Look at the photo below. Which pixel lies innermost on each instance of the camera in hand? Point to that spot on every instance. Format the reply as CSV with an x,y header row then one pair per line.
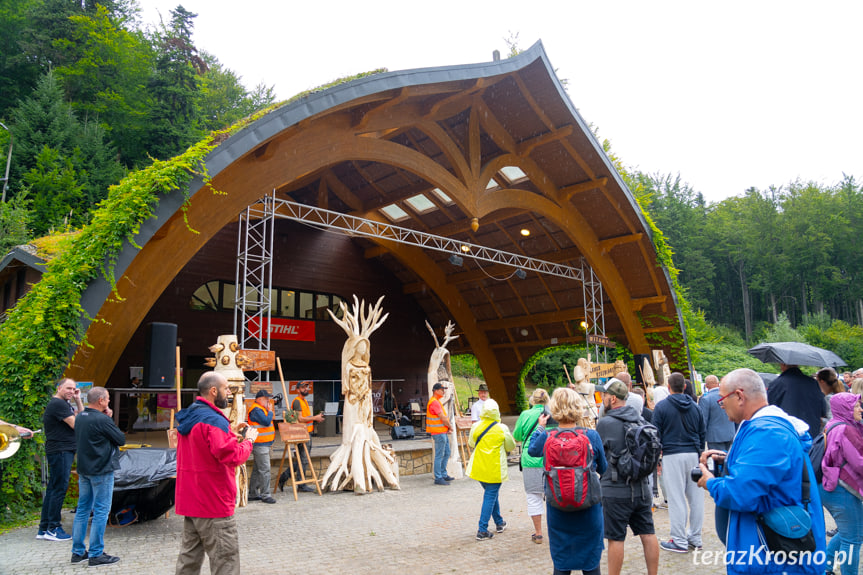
x,y
695,474
551,421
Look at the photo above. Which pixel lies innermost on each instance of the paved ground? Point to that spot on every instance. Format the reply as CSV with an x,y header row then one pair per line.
x,y
421,529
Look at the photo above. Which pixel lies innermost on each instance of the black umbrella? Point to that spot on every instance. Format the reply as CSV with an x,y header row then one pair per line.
x,y
795,353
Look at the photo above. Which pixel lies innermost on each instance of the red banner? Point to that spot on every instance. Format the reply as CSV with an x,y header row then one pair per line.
x,y
288,329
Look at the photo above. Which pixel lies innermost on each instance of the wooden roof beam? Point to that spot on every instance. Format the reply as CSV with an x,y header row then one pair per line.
x,y
525,147
639,303
568,191
539,342
532,320
608,244
659,329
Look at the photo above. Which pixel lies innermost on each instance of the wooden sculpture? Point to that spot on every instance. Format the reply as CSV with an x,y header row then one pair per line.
x,y
228,363
649,381
360,459
440,371
582,385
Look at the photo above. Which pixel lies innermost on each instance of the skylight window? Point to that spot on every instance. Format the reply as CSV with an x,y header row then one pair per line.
x,y
513,174
445,198
491,184
394,213
421,204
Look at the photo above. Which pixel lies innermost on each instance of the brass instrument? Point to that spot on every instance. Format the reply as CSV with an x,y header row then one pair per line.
x,y
10,440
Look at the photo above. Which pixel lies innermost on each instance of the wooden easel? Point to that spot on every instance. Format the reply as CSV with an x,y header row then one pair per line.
x,y
295,436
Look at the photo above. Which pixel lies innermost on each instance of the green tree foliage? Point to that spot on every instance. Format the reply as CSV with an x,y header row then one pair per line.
x,y
18,74
224,99
174,117
105,79
66,164
14,222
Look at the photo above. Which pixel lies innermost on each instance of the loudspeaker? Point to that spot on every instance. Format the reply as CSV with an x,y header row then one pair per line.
x,y
639,358
402,432
160,354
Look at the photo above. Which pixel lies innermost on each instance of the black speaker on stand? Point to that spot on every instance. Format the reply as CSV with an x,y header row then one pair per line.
x,y
160,355
638,359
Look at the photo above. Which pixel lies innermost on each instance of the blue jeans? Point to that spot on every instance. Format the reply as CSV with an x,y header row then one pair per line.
x,y
490,505
95,494
441,454
59,468
847,511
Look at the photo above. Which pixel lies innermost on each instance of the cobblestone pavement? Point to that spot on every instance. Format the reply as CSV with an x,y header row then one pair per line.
x,y
423,528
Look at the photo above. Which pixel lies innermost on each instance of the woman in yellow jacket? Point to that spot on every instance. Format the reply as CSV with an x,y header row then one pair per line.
x,y
491,441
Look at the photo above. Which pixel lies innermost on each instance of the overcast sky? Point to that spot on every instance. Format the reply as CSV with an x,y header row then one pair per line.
x,y
729,95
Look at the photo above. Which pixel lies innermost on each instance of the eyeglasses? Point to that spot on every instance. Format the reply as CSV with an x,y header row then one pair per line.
x,y
726,396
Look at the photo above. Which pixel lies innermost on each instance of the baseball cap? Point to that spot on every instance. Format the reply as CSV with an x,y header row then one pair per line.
x,y
615,387
438,386
262,393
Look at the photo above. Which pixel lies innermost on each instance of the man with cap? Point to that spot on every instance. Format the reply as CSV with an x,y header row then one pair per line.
x,y
476,408
438,426
260,417
624,503
302,413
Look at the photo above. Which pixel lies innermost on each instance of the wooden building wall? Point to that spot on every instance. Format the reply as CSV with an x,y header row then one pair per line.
x,y
305,258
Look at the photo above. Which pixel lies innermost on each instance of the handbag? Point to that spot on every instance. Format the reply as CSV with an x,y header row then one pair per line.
x,y
789,528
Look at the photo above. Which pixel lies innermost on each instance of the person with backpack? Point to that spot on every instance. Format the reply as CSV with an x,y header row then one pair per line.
x,y
531,467
841,487
626,495
572,458
682,433
490,441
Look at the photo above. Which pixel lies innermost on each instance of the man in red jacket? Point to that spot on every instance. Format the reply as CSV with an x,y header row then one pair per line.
x,y
207,455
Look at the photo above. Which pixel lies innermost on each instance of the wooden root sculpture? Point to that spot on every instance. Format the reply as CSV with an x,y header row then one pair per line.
x,y
228,362
360,459
582,385
440,371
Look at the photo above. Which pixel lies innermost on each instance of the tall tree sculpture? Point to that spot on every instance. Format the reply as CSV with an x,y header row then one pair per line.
x,y
440,371
360,458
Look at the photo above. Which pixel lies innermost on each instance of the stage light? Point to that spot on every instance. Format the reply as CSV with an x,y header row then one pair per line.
x,y
520,274
525,232
456,260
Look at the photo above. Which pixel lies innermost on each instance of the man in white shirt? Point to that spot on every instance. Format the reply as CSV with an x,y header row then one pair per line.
x,y
476,408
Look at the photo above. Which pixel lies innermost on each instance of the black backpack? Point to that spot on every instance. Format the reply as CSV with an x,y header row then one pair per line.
x,y
642,453
816,452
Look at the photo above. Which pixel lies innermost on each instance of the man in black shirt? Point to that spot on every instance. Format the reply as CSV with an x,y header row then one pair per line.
x,y
97,438
58,421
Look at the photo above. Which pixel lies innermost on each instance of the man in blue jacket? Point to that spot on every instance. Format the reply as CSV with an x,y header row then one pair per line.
x,y
720,429
681,430
763,471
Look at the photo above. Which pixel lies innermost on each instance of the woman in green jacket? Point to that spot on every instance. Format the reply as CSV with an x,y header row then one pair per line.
x,y
491,441
531,467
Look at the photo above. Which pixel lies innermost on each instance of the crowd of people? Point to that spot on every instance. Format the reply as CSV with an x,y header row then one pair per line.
x,y
747,445
750,446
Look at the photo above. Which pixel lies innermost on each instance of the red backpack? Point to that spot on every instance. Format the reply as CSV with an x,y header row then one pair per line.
x,y
569,480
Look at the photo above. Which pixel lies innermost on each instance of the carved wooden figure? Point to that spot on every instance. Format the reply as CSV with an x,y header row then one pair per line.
x,y
228,362
360,460
440,371
582,385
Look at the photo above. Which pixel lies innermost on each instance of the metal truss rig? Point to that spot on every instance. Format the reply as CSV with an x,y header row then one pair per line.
x,y
353,225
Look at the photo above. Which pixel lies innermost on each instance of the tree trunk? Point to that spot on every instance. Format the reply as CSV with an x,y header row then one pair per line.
x,y
773,307
747,312
803,299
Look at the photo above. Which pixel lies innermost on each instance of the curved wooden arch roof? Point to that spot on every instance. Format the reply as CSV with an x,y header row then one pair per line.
x,y
384,139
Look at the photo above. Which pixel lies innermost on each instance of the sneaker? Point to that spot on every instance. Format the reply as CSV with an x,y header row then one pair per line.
x,y
449,478
305,488
483,535
693,547
440,482
254,498
267,499
79,558
501,527
670,545
40,534
57,534
661,505
829,533
103,559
